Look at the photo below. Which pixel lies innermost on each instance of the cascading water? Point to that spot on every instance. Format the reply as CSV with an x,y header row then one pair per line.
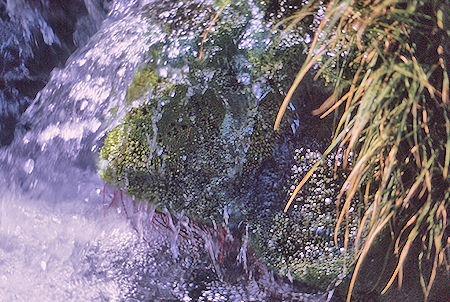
x,y
35,37
64,235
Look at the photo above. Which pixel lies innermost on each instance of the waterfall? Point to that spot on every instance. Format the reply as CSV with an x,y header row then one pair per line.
x,y
35,37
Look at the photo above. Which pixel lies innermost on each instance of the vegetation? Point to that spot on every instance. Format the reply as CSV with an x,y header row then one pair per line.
x,y
208,129
184,141
390,78
299,244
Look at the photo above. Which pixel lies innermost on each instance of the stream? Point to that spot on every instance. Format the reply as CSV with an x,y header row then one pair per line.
x,y
64,234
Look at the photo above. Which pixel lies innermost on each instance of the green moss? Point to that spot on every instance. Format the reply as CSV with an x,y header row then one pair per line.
x,y
143,80
186,126
110,153
210,113
278,63
176,135
263,139
179,156
126,148
148,157
300,243
111,144
302,247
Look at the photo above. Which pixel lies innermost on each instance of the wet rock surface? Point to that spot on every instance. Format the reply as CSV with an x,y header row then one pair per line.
x,y
199,139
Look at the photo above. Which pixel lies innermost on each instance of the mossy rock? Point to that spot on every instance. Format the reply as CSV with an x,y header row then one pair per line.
x,y
143,153
300,243
185,141
201,132
125,147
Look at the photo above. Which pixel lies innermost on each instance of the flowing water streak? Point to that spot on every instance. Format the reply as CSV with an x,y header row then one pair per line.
x,y
35,37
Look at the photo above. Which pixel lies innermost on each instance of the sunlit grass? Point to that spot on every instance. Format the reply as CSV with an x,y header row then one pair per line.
x,y
391,95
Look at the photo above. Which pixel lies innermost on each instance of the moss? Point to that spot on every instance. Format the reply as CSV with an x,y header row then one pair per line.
x,y
143,80
185,127
186,146
110,153
279,62
150,157
126,147
301,247
300,243
176,135
190,136
210,112
180,152
263,139
111,144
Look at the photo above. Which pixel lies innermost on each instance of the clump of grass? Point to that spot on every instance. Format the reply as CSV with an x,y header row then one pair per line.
x,y
391,96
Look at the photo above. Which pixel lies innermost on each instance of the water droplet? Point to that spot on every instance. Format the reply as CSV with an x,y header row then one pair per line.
x,y
83,105
163,72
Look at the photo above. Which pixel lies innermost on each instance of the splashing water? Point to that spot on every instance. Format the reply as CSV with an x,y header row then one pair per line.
x,y
65,236
35,37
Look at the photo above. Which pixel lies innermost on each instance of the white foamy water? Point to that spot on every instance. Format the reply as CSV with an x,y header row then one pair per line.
x,y
72,250
61,251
